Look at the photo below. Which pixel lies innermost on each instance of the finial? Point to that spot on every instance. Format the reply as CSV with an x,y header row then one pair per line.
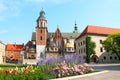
x,y
75,22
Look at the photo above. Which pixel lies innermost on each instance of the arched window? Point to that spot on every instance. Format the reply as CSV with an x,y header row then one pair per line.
x,y
41,24
41,55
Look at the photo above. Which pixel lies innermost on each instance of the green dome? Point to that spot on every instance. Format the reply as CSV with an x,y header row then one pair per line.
x,y
42,14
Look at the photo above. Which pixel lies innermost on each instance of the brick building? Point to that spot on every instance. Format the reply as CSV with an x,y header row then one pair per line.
x,y
13,52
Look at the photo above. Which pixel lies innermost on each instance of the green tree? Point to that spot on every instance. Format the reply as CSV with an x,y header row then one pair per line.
x,y
112,44
90,46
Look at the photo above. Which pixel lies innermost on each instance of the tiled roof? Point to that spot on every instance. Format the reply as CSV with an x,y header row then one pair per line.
x,y
14,47
64,35
99,30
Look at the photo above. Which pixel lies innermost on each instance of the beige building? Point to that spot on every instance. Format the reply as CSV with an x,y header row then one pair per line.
x,y
2,52
97,34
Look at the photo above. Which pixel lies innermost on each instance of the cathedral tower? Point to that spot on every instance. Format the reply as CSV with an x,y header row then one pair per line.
x,y
41,35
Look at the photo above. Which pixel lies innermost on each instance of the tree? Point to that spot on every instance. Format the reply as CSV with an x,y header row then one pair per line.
x,y
112,44
90,46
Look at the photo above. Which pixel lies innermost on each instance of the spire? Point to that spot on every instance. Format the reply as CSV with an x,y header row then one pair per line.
x,y
75,28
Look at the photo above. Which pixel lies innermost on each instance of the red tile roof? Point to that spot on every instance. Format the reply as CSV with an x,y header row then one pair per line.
x,y
14,47
98,30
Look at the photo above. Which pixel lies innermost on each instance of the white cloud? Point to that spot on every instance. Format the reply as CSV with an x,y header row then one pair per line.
x,y
9,8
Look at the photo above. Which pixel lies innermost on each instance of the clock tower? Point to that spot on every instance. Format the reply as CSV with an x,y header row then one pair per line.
x,y
41,35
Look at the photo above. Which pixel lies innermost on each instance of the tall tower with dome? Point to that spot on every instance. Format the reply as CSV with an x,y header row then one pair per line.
x,y
41,35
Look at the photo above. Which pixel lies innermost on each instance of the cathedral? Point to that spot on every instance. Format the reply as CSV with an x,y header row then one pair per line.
x,y
45,44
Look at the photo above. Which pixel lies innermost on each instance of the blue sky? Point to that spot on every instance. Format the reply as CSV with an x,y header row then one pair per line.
x,y
18,17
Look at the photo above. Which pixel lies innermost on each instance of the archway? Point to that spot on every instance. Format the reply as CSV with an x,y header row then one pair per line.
x,y
94,58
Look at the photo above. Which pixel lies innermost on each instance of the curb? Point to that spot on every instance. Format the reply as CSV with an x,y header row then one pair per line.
x,y
79,76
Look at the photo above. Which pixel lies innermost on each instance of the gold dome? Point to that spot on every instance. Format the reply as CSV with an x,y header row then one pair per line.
x,y
68,45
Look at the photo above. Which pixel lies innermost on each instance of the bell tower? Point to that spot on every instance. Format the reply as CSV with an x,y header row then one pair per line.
x,y
41,35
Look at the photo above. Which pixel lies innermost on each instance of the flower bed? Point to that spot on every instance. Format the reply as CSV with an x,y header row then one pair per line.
x,y
44,72
48,69
63,69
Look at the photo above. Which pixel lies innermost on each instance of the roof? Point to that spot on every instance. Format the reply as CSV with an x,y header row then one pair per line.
x,y
99,30
2,42
14,47
64,35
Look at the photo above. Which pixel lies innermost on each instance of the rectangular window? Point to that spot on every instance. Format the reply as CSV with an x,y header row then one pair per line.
x,y
79,51
101,49
83,42
84,50
41,38
41,30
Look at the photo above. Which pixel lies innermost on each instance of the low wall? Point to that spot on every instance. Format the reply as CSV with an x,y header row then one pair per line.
x,y
30,61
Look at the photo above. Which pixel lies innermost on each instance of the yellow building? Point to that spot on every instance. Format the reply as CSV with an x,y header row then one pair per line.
x,y
97,34
2,52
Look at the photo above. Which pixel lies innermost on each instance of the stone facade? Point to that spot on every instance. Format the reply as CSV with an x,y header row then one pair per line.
x,y
2,52
97,35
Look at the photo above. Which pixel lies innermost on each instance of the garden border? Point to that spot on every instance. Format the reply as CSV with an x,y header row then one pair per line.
x,y
79,76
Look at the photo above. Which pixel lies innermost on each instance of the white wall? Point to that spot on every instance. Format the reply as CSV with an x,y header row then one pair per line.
x,y
40,49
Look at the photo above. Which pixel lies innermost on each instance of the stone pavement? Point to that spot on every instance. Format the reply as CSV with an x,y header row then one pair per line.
x,y
110,75
107,72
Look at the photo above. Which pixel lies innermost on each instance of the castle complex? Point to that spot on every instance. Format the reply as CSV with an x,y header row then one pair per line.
x,y
45,44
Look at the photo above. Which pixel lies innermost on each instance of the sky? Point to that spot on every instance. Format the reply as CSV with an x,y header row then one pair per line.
x,y
18,17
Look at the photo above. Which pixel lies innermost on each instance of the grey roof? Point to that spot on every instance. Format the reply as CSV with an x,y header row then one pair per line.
x,y
64,35
33,36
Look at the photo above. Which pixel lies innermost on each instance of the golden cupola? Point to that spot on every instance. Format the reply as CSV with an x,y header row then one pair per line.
x,y
68,44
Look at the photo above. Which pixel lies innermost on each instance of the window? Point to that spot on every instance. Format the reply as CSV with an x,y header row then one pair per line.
x,y
41,55
52,48
47,49
41,24
41,30
69,49
41,38
44,25
100,41
83,42
110,57
84,50
115,58
56,49
79,51
104,58
101,49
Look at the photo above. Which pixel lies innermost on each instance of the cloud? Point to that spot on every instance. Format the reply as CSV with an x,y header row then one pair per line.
x,y
9,8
